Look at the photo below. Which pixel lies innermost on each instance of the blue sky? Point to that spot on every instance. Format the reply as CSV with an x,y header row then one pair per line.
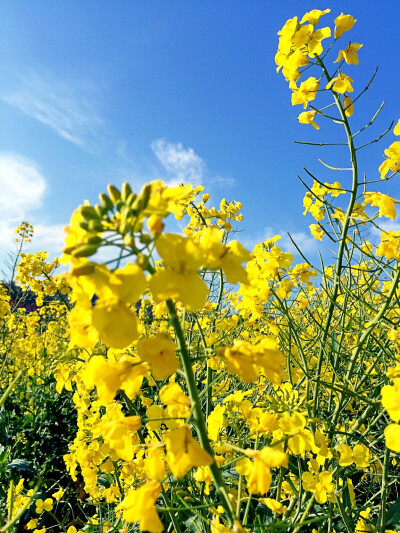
x,y
97,92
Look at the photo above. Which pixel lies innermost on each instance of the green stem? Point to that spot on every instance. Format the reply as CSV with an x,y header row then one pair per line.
x,y
384,490
171,511
345,229
198,414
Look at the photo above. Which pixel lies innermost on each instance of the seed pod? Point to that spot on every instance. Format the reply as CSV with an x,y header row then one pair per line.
x,y
126,191
85,250
114,193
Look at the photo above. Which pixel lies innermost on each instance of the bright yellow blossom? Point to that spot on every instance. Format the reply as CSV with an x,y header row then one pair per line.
x,y
341,84
385,203
139,506
307,117
313,16
184,452
43,505
392,437
343,23
306,92
159,352
349,54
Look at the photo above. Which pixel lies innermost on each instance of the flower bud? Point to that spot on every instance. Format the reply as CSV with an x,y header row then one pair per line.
x,y
85,250
88,212
126,191
114,193
106,201
155,224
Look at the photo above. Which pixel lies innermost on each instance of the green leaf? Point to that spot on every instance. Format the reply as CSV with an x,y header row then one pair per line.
x,y
393,514
21,464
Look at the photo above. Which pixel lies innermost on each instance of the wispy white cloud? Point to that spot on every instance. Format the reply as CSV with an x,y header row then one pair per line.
x,y
183,164
386,225
23,188
61,106
223,182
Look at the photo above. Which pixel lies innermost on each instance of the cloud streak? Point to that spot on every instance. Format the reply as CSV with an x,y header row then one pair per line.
x,y
58,105
23,188
183,165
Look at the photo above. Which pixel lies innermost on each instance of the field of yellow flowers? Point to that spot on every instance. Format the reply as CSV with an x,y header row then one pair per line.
x,y
190,385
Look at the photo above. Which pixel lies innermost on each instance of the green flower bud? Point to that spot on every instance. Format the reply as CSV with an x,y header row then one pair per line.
x,y
85,250
88,212
114,193
126,191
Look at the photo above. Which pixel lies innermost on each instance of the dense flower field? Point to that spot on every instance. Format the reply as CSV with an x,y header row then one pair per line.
x,y
188,384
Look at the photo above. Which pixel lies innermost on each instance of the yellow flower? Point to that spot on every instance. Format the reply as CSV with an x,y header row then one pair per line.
x,y
313,16
118,435
178,404
139,506
348,105
159,352
217,527
46,505
58,495
306,92
259,478
155,411
314,44
183,452
343,23
155,463
272,504
228,257
389,246
307,117
316,231
391,399
320,484
341,84
215,421
117,325
243,466
155,224
248,361
392,437
396,129
109,377
179,280
385,203
358,455
111,316
392,162
349,54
